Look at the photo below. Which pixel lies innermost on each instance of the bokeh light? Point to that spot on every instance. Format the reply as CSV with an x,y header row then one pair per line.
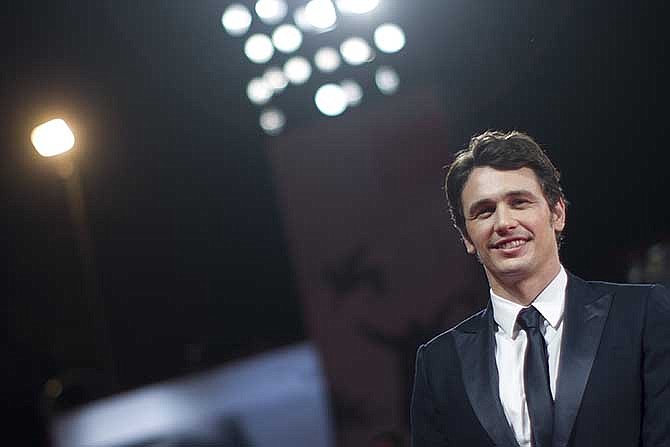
x,y
389,38
258,48
287,38
327,59
236,19
272,121
53,388
321,14
356,6
297,70
259,91
300,19
353,92
330,99
271,12
275,78
356,51
387,80
310,17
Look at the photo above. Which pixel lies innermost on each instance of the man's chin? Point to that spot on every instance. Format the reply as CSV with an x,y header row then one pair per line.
x,y
511,269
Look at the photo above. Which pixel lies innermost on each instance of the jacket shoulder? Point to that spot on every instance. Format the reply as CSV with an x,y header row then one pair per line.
x,y
632,296
627,289
613,287
470,324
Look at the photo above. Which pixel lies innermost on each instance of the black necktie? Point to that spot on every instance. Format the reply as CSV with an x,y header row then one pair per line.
x,y
536,379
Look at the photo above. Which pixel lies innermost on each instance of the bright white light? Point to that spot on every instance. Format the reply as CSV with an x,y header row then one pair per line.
x,y
330,99
297,70
356,51
271,12
52,138
327,59
259,91
259,49
275,78
300,19
236,19
272,121
353,92
387,80
356,6
321,14
389,38
287,38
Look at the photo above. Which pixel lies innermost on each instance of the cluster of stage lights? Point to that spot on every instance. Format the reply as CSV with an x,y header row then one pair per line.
x,y
313,17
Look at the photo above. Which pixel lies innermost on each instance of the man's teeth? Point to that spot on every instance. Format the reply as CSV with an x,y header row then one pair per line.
x,y
512,244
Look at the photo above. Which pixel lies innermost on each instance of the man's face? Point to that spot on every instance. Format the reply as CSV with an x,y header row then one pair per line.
x,y
509,224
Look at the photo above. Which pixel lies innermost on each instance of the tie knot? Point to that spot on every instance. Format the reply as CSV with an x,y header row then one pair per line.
x,y
530,317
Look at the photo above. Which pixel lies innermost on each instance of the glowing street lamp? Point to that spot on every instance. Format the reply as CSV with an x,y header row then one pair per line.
x,y
52,138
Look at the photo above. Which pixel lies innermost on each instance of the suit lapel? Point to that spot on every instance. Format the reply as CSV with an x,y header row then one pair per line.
x,y
585,315
475,344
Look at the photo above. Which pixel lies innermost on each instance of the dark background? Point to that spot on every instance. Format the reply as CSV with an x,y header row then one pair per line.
x,y
191,264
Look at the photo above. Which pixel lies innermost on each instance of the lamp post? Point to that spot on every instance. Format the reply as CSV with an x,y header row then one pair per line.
x,y
54,139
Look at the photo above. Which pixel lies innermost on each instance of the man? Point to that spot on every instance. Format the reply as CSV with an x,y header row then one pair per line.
x,y
553,360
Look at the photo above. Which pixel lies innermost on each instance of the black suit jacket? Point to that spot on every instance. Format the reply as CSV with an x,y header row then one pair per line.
x,y
613,385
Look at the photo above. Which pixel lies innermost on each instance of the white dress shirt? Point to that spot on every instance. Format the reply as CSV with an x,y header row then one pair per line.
x,y
511,348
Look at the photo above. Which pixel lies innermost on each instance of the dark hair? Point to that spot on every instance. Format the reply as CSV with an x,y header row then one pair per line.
x,y
504,151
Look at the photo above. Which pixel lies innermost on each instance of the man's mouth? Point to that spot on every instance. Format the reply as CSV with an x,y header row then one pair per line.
x,y
513,243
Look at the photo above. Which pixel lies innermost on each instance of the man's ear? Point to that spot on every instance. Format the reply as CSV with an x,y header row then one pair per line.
x,y
469,246
558,215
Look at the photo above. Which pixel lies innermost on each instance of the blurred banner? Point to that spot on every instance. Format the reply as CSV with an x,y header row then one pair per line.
x,y
378,265
274,399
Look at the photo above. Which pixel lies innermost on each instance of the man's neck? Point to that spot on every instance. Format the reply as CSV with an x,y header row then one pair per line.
x,y
523,291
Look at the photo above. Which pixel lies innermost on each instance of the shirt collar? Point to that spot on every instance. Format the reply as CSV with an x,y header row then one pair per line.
x,y
550,303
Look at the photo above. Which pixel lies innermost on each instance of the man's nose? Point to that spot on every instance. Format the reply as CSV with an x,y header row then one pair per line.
x,y
504,220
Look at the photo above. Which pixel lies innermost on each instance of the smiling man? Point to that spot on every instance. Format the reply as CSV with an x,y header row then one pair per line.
x,y
553,360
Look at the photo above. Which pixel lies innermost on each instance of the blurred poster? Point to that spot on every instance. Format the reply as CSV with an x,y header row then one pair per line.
x,y
274,399
378,266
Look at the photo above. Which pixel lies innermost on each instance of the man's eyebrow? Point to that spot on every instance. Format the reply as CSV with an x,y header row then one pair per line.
x,y
519,192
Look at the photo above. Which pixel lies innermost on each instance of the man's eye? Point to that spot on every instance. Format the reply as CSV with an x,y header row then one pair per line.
x,y
484,213
520,202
